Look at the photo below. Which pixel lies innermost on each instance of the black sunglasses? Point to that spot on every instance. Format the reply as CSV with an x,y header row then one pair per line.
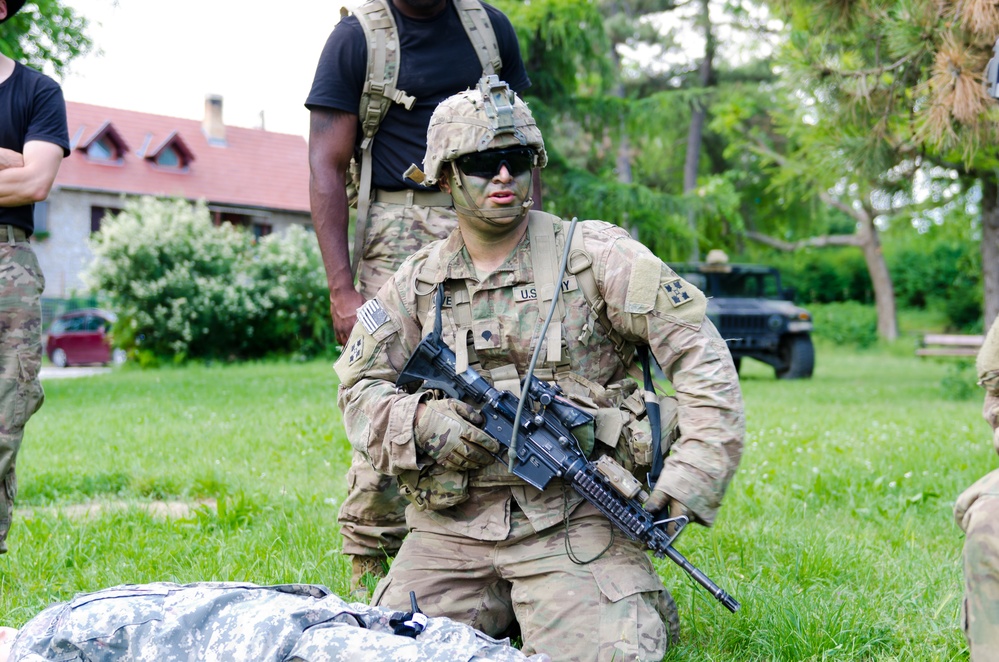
x,y
517,160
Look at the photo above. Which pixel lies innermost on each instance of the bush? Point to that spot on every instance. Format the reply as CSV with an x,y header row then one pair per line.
x,y
824,276
846,322
944,276
184,288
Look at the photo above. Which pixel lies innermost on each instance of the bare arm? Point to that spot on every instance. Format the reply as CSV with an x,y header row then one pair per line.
x,y
32,181
331,144
10,159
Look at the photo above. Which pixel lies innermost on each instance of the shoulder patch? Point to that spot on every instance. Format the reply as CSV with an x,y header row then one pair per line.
x,y
677,292
372,316
355,350
680,299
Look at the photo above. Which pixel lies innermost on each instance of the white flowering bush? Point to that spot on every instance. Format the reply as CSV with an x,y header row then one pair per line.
x,y
185,288
290,285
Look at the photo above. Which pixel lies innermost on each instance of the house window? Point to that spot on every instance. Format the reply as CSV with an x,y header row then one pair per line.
x,y
97,215
168,158
238,220
262,230
41,217
102,149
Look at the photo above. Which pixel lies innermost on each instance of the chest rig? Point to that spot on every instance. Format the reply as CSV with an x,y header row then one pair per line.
x,y
546,248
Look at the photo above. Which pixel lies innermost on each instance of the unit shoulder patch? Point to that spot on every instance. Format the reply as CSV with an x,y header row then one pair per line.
x,y
678,292
681,300
355,350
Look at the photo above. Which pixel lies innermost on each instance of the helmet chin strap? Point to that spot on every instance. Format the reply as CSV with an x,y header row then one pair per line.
x,y
467,206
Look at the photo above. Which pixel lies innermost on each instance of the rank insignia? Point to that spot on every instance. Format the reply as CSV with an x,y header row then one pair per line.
x,y
356,350
676,292
372,315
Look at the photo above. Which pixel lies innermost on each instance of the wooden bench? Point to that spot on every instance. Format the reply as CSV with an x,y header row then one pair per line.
x,y
942,344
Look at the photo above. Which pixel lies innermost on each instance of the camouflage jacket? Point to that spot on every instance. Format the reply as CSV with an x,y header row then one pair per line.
x,y
162,622
646,302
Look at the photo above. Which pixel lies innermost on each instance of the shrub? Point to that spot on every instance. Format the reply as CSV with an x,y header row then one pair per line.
x,y
824,276
287,271
941,275
846,322
183,287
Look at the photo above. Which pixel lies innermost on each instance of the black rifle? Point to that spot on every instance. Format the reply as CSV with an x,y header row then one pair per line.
x,y
546,449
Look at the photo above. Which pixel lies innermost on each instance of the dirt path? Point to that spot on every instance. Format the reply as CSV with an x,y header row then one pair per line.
x,y
168,509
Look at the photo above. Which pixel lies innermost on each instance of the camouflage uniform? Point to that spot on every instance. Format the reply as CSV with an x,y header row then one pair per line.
x,y
228,621
502,550
21,286
977,513
372,515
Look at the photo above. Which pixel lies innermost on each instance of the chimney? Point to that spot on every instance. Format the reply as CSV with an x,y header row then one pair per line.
x,y
212,125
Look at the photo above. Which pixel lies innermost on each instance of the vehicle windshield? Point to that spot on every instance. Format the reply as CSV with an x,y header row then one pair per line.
x,y
746,285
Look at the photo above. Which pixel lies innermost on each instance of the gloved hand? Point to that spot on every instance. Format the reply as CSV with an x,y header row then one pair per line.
x,y
447,432
659,502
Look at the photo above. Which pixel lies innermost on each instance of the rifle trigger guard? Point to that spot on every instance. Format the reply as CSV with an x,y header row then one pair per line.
x,y
679,522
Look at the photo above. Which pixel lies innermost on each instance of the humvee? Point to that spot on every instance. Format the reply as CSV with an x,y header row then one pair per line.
x,y
754,314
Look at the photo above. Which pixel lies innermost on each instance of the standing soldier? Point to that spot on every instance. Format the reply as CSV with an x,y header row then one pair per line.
x,y
977,513
384,69
34,139
485,547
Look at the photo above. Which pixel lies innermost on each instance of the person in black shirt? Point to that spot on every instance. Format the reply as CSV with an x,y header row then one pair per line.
x,y
436,60
34,139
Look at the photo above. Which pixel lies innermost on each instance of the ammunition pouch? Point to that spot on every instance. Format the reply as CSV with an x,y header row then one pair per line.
x,y
434,487
625,434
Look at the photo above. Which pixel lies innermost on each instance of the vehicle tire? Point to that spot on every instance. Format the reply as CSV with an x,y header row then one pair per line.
x,y
118,356
59,358
798,356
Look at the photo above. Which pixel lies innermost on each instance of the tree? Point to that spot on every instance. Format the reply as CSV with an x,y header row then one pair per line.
x,y
45,32
615,92
902,80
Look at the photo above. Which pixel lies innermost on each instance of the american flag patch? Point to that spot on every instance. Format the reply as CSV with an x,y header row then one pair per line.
x,y
372,315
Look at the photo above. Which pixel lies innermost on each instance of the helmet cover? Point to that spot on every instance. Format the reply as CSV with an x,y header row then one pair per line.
x,y
489,117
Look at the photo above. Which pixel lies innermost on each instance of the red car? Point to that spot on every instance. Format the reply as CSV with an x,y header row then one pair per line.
x,y
82,336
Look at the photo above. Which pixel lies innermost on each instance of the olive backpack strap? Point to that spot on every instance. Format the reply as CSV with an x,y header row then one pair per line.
x,y
382,36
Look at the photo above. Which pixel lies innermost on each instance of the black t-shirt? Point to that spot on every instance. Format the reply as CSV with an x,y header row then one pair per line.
x,y
31,108
436,61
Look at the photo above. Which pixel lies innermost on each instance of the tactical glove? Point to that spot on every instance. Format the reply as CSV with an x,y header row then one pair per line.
x,y
447,432
661,503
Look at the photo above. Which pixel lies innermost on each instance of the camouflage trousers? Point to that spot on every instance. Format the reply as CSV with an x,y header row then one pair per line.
x,y
977,510
217,622
372,518
613,608
21,285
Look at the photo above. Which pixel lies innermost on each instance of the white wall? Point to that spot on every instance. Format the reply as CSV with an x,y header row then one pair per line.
x,y
64,254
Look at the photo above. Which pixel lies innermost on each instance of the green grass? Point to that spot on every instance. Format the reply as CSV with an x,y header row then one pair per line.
x,y
836,535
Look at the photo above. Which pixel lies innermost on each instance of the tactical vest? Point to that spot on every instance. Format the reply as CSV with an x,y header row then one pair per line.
x,y
380,91
616,409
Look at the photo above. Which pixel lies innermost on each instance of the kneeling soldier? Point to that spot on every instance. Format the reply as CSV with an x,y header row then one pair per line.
x,y
485,547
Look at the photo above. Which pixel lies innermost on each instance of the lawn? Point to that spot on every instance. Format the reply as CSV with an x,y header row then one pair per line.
x,y
836,536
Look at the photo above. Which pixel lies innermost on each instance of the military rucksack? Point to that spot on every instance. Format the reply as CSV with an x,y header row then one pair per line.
x,y
380,91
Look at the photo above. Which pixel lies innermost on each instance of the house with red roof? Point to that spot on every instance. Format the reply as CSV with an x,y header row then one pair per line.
x,y
249,177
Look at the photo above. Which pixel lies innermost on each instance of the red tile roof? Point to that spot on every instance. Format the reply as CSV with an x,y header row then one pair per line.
x,y
256,168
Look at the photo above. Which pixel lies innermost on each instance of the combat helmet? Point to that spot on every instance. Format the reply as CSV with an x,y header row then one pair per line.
x,y
489,117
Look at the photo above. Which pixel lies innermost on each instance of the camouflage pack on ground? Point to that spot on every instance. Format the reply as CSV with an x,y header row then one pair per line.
x,y
162,622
